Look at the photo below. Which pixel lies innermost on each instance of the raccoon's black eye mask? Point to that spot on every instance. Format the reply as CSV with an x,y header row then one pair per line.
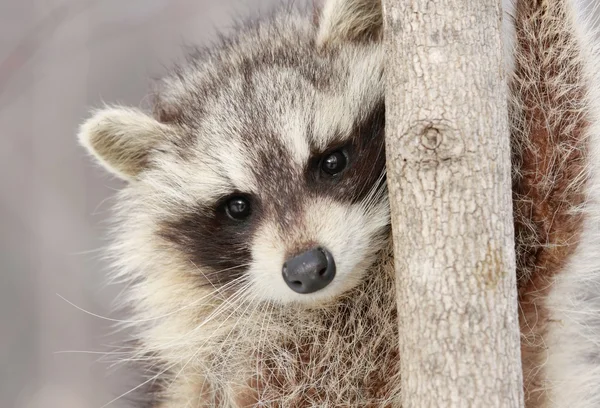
x,y
238,207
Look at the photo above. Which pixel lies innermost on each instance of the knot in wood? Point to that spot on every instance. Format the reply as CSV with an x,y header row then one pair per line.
x,y
430,142
431,138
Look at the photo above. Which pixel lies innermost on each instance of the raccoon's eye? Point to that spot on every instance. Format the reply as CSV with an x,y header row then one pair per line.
x,y
334,163
238,208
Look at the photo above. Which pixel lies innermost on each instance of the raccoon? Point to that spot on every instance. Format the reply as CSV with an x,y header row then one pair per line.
x,y
254,230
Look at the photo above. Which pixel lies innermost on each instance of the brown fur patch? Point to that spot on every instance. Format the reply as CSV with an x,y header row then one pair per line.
x,y
549,153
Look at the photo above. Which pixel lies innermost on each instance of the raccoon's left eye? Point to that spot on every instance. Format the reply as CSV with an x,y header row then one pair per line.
x,y
334,163
238,208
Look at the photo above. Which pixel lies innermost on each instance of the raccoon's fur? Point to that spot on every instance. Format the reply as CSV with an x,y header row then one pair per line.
x,y
226,184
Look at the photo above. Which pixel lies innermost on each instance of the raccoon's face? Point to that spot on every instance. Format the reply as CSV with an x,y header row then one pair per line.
x,y
264,163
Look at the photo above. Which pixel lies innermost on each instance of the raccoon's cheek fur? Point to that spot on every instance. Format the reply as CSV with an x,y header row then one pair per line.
x,y
325,254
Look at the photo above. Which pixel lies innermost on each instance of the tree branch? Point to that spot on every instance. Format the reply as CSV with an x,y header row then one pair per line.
x,y
448,159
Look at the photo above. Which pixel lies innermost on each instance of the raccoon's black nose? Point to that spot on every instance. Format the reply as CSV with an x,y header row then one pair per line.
x,y
310,271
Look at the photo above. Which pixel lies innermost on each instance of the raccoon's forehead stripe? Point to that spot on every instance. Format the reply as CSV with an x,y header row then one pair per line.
x,y
359,94
280,102
294,130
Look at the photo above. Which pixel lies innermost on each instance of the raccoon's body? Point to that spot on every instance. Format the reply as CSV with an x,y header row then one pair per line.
x,y
254,233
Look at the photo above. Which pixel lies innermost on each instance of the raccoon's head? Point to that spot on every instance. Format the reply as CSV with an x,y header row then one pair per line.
x,y
263,161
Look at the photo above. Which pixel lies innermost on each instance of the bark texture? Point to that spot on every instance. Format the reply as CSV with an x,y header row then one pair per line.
x,y
449,178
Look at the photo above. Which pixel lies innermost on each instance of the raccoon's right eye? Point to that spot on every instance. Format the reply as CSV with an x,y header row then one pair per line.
x,y
238,208
334,163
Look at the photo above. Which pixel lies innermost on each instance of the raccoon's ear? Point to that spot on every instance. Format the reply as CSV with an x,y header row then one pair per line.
x,y
121,139
350,20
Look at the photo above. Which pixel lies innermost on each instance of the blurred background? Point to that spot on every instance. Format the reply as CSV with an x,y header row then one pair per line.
x,y
58,59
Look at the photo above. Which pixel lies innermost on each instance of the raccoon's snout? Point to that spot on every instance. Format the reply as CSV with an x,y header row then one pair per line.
x,y
310,271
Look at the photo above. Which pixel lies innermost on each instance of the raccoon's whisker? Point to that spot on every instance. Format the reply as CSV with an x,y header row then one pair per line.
x,y
375,192
209,338
149,363
237,301
251,316
90,352
175,342
215,313
249,331
143,320
217,290
232,268
103,355
376,186
94,314
220,290
145,359
379,151
138,386
250,302
88,252
374,199
262,339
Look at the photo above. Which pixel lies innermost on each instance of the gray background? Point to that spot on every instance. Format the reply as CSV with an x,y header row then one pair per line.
x,y
59,58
